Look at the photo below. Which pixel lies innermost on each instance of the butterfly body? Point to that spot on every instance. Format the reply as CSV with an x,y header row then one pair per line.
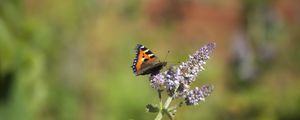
x,y
145,62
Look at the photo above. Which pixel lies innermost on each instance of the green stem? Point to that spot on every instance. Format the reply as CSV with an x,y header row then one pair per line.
x,y
159,115
168,102
165,106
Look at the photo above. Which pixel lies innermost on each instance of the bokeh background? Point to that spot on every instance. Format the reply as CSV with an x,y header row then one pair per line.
x,y
70,59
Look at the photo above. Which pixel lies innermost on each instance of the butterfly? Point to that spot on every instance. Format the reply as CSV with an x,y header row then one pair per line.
x,y
145,62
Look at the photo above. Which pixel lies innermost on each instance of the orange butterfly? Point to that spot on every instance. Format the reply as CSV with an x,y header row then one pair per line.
x,y
145,62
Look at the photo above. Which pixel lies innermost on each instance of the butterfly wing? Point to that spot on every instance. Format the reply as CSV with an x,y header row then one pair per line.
x,y
145,62
152,68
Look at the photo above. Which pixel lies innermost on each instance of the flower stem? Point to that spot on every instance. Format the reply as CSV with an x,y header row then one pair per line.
x,y
159,115
167,103
163,108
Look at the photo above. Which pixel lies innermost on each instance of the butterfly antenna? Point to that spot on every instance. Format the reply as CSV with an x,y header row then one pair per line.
x,y
166,55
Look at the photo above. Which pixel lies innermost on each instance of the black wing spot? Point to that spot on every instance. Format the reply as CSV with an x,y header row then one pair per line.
x,y
146,59
153,56
143,49
149,52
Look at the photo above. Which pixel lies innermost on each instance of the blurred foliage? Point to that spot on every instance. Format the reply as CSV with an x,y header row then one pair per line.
x,y
69,60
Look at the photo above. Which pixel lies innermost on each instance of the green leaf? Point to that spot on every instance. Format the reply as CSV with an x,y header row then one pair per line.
x,y
152,108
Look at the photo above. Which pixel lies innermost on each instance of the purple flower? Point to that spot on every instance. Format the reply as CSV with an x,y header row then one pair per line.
x,y
197,95
177,80
173,78
157,81
194,65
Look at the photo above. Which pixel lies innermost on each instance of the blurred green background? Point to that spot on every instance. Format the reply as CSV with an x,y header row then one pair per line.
x,y
70,59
